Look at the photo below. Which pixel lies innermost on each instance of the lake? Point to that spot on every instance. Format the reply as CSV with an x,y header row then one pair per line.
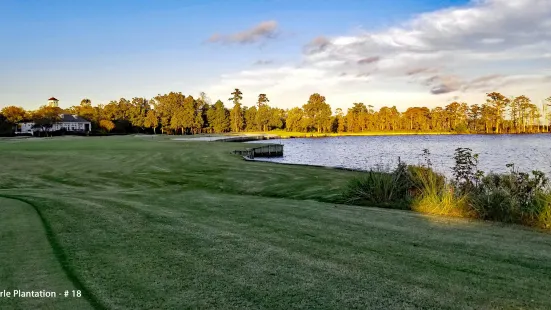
x,y
527,152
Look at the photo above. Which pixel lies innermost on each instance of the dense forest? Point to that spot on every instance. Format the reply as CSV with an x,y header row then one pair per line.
x,y
176,113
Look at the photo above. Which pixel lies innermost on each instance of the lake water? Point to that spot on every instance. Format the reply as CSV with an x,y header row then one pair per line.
x,y
527,152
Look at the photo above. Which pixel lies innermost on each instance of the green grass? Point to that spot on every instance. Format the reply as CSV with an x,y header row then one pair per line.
x,y
29,263
142,223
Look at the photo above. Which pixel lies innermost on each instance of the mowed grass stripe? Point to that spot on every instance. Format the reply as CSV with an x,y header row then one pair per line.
x,y
29,263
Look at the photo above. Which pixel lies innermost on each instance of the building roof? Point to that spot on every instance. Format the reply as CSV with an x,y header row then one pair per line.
x,y
53,98
70,118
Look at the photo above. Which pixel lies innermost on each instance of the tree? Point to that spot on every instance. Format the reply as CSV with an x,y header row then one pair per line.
x,y
262,100
137,112
250,119
13,114
202,105
547,104
277,118
521,106
474,117
487,115
356,117
263,117
151,120
340,120
498,102
178,119
219,117
190,113
166,106
317,113
534,115
294,120
417,118
45,117
106,124
236,114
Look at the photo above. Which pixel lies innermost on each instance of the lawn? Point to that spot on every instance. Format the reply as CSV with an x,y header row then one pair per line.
x,y
150,223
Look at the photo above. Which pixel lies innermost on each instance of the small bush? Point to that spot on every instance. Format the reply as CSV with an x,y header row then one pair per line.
x,y
376,187
443,202
543,206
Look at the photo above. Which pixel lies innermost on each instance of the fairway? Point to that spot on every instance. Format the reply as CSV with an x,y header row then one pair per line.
x,y
151,223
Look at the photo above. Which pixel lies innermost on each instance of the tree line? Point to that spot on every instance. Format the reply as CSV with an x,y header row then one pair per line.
x,y
176,113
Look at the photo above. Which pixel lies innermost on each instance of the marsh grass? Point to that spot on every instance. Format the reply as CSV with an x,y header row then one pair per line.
x,y
381,187
513,197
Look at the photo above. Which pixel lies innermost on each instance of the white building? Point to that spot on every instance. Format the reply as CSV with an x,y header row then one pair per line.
x,y
69,122
53,102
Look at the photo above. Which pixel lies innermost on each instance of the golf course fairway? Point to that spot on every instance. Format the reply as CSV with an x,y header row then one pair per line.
x,y
149,223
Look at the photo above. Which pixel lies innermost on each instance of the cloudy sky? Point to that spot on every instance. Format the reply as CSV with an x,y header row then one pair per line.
x,y
403,52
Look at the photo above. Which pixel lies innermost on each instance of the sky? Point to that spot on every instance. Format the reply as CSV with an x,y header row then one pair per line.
x,y
383,53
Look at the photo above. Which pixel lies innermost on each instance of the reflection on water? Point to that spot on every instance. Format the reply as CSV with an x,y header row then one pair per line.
x,y
527,152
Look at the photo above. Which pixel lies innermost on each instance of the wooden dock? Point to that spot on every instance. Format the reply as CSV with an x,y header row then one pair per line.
x,y
270,150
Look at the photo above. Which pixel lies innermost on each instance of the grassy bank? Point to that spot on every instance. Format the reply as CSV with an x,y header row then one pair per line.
x,y
143,223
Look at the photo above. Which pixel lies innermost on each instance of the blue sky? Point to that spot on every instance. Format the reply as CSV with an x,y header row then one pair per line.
x,y
105,50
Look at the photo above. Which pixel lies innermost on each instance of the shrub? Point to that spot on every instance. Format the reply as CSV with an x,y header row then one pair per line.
x,y
376,187
513,197
443,202
465,171
434,196
543,206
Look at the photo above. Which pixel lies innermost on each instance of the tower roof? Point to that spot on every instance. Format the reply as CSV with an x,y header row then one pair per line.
x,y
53,98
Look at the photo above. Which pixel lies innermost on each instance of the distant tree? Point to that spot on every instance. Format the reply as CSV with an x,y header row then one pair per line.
x,y
277,119
294,119
263,117
202,105
220,117
178,120
340,121
474,117
262,100
250,119
45,117
547,113
498,102
151,120
236,114
487,115
137,112
13,114
521,106
356,117
317,113
166,106
189,114
106,124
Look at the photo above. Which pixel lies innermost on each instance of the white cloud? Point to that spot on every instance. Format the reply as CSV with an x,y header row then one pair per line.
x,y
262,31
484,46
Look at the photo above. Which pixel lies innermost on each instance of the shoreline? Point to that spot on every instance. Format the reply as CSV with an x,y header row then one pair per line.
x,y
294,135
